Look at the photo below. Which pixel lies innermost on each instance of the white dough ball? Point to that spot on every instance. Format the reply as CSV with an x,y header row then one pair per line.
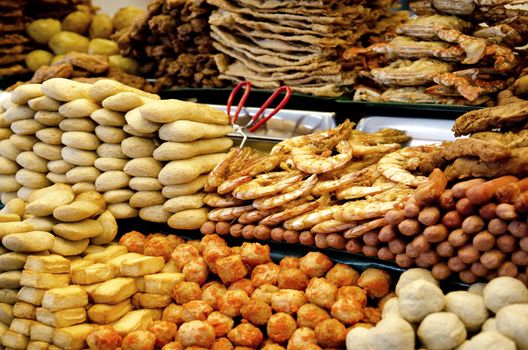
x,y
469,307
391,333
442,331
413,275
356,338
391,308
512,321
419,299
477,288
490,341
490,325
503,291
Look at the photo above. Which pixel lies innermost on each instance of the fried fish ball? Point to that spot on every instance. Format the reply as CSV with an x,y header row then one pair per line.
x,y
289,262
173,313
342,275
309,315
196,271
372,315
184,254
211,292
354,293
175,345
331,333
255,254
302,338
175,240
256,312
265,274
196,310
281,327
293,278
158,246
164,331
104,338
376,282
221,323
348,311
134,241
222,344
196,333
183,292
243,284
213,239
139,340
288,300
232,301
213,252
230,269
315,264
245,334
273,346
321,293
264,293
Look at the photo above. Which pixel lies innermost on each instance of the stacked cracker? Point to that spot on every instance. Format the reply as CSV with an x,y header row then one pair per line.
x,y
194,145
120,104
13,41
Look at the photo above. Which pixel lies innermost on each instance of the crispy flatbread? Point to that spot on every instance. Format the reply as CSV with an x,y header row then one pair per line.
x,y
13,39
8,59
13,70
15,49
329,90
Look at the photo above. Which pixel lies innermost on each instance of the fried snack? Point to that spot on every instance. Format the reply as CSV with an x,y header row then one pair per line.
x,y
44,280
73,337
136,320
48,263
114,291
106,314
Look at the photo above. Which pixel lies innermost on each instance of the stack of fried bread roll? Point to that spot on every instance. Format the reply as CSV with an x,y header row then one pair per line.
x,y
8,165
193,143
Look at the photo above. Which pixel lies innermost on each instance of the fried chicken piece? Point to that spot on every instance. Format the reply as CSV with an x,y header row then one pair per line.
x,y
506,97
490,118
92,63
469,167
509,139
63,70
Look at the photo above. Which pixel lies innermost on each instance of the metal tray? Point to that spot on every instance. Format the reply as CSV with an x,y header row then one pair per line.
x,y
280,250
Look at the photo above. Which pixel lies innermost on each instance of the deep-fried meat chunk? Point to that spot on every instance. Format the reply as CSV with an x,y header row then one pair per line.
x,y
63,70
92,63
486,150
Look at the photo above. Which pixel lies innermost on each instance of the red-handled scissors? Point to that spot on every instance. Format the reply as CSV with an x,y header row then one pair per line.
x,y
255,123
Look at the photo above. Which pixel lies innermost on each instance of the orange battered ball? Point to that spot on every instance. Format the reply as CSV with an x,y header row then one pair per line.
x,y
139,340
230,269
342,275
265,274
256,312
292,278
315,264
281,327
134,241
164,331
183,292
159,246
245,334
104,338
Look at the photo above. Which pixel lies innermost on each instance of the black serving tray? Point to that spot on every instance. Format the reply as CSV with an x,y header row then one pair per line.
x,y
280,250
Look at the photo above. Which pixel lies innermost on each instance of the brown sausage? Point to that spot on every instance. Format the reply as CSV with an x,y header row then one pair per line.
x,y
427,259
523,277
457,238
236,230
447,201
404,261
497,226
411,251
506,211
429,216
353,246
432,189
472,224
436,233
455,264
468,254
523,244
465,207
518,228
483,193
506,243
387,233
320,241
467,276
369,251
492,259
306,238
441,271
336,241
208,228
411,209
509,192
247,232
385,254
262,232
395,216
409,227
508,269
291,236
452,219
460,189
371,238
223,228
520,258
487,211
484,241
478,269
277,234
396,246
521,202
445,250
492,275
421,244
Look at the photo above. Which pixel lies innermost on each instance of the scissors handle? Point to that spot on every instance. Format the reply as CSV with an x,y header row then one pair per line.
x,y
242,101
253,127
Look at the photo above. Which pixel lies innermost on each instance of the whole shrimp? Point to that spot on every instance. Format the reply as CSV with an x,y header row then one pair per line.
x,y
272,202
229,185
309,220
216,201
254,189
262,165
332,185
228,214
296,210
306,159
360,230
254,216
394,166
356,192
332,226
361,210
218,175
